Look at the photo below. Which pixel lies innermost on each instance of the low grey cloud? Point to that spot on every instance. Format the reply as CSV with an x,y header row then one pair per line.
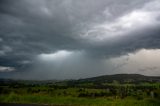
x,y
84,34
6,69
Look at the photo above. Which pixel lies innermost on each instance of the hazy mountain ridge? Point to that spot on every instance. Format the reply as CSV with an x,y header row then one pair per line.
x,y
123,78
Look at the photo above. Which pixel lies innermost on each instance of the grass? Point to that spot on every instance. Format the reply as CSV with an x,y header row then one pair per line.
x,y
111,95
63,100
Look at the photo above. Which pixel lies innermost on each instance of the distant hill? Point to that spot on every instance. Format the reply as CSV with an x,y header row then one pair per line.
x,y
122,78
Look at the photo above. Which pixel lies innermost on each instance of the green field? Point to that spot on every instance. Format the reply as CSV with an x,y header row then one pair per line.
x,y
63,93
62,100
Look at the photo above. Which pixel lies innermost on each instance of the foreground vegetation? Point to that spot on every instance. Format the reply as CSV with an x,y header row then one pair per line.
x,y
14,98
81,93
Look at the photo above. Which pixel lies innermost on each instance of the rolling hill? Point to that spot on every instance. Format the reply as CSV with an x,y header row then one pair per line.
x,y
122,78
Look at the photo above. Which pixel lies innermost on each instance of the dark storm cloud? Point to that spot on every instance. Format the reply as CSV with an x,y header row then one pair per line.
x,y
29,28
149,39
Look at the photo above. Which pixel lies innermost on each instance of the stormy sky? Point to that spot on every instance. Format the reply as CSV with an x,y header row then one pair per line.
x,y
72,39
